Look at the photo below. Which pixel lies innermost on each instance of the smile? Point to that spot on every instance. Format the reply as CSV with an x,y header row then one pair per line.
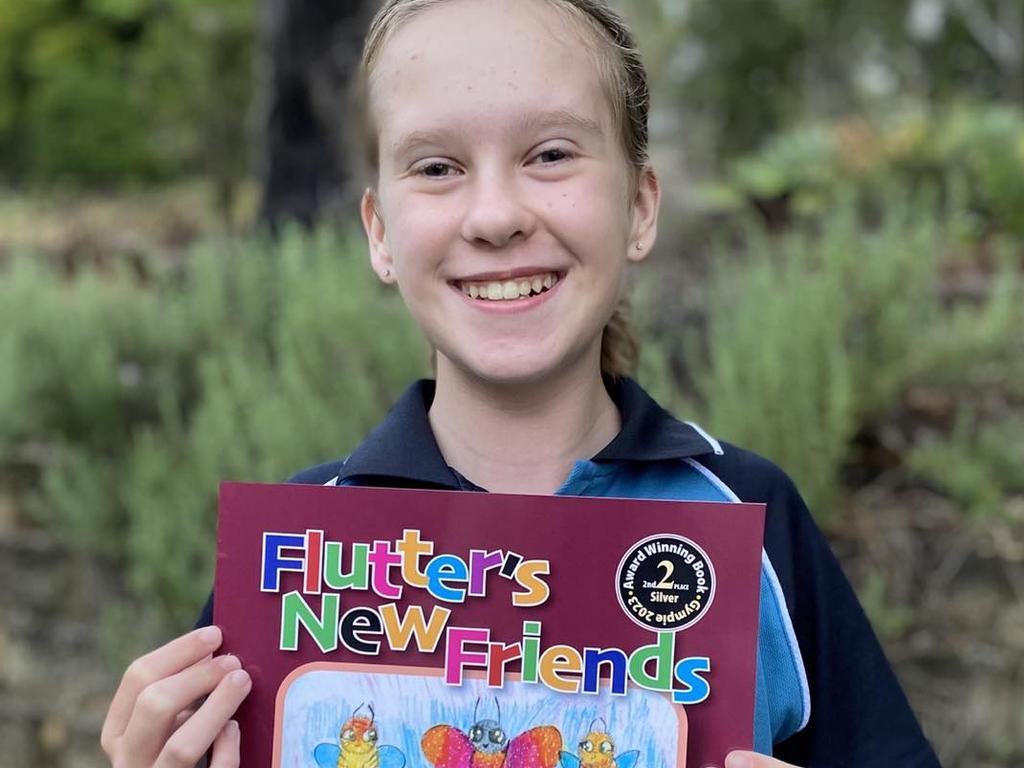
x,y
509,290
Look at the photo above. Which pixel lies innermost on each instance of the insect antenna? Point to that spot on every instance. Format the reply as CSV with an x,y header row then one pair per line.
x,y
475,708
497,706
604,724
372,714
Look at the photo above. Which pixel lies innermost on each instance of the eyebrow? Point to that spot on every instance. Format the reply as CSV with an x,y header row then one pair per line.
x,y
559,118
529,123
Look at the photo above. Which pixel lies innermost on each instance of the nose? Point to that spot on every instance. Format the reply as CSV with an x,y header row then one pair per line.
x,y
497,213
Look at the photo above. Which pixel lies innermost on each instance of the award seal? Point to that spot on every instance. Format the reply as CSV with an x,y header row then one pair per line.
x,y
665,583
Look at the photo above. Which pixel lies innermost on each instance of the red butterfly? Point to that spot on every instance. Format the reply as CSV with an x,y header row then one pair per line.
x,y
486,745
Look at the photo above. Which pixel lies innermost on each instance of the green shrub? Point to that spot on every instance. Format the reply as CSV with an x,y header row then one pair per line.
x,y
978,465
105,91
262,358
816,334
976,150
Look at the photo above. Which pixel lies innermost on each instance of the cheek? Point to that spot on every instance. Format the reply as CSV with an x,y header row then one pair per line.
x,y
593,209
419,235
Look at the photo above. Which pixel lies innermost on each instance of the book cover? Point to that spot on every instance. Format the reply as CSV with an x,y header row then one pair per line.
x,y
388,628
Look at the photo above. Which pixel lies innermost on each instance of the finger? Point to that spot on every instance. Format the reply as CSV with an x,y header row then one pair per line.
x,y
193,739
741,759
173,657
158,706
182,717
226,747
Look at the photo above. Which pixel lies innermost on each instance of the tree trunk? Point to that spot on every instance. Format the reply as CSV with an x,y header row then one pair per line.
x,y
312,48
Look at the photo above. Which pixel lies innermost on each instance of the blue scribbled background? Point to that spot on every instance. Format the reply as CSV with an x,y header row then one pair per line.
x,y
318,702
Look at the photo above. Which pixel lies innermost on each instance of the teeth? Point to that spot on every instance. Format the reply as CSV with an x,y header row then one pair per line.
x,y
509,290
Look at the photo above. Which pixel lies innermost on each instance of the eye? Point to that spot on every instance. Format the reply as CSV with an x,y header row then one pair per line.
x,y
552,156
607,747
436,169
348,734
497,736
587,746
370,736
475,734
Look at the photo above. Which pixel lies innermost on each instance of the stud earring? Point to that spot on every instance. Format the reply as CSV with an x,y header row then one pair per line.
x,y
386,274
639,246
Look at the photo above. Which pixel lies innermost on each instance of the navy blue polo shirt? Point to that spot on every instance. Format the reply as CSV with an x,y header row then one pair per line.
x,y
825,695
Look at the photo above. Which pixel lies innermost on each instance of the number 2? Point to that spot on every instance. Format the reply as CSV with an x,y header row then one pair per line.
x,y
665,583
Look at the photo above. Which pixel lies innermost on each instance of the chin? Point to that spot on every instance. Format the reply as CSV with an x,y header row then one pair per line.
x,y
533,366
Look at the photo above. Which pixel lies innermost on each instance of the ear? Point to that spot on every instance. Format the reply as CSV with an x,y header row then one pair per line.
x,y
373,225
646,203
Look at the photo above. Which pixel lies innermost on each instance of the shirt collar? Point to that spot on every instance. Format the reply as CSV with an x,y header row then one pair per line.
x,y
402,450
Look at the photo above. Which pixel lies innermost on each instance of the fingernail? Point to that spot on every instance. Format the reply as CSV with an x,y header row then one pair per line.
x,y
209,635
233,729
738,760
241,678
229,662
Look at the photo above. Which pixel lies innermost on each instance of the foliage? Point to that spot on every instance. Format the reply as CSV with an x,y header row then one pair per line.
x,y
816,333
262,358
971,150
114,90
977,465
746,69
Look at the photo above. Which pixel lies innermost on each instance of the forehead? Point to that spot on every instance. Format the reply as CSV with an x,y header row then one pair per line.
x,y
479,65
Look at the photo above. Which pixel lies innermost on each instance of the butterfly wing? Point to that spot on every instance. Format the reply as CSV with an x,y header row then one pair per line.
x,y
445,746
326,755
391,757
568,760
539,747
627,759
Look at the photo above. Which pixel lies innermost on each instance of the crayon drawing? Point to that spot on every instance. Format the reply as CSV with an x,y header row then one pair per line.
x,y
358,716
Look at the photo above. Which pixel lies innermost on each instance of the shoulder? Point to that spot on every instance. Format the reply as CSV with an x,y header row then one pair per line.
x,y
796,550
748,475
321,474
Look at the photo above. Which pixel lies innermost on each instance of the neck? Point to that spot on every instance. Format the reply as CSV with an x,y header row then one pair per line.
x,y
521,438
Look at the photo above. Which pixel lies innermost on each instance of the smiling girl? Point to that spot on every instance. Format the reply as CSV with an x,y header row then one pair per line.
x,y
508,139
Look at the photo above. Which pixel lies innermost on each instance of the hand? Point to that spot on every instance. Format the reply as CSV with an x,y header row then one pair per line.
x,y
151,721
739,759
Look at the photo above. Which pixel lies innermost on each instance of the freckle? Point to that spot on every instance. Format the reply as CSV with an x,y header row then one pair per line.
x,y
469,87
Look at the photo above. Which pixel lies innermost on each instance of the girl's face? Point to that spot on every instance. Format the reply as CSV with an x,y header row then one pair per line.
x,y
505,210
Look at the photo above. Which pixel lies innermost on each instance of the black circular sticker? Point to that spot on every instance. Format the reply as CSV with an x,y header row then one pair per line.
x,y
665,583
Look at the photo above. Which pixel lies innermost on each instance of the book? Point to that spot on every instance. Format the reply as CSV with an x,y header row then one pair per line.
x,y
386,628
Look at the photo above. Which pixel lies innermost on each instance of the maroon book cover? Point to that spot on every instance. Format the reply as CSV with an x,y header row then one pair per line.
x,y
388,628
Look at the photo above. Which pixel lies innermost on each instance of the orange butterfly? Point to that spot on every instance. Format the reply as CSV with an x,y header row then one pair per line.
x,y
486,745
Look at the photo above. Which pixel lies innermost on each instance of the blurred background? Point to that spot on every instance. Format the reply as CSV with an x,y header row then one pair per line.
x,y
184,298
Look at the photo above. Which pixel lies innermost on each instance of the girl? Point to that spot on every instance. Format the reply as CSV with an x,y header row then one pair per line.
x,y
509,144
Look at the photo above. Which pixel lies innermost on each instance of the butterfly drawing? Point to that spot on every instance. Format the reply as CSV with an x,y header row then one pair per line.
x,y
486,745
357,746
597,750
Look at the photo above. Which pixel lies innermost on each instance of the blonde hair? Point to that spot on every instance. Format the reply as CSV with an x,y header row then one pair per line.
x,y
625,79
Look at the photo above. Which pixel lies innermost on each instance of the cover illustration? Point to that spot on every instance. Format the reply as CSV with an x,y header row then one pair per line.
x,y
389,628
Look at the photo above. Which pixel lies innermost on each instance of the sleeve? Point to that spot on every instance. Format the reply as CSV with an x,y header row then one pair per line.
x,y
317,475
859,716
206,615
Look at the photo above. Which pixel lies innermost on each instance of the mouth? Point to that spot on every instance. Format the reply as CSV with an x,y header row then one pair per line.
x,y
515,289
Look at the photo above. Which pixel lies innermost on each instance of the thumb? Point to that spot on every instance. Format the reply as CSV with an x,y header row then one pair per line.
x,y
753,760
